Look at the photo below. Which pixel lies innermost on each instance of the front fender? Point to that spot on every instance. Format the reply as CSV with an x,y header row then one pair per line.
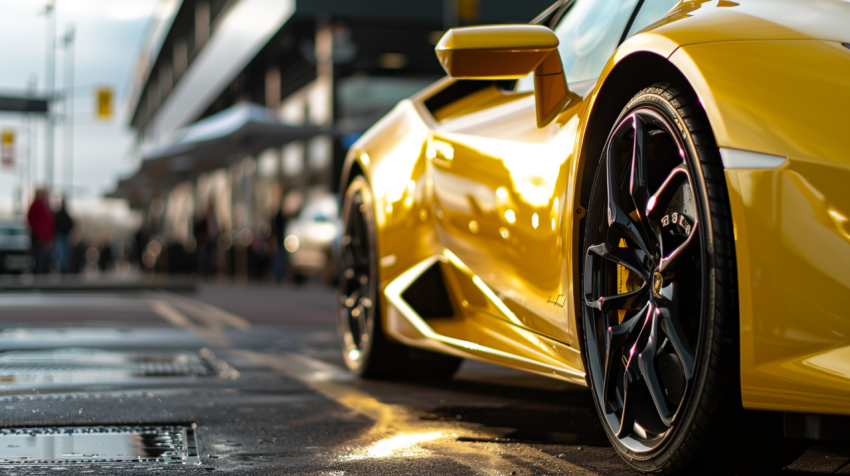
x,y
776,97
792,223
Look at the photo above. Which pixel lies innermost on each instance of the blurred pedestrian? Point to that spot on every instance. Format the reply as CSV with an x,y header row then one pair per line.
x,y
40,219
105,255
206,235
258,251
279,259
63,224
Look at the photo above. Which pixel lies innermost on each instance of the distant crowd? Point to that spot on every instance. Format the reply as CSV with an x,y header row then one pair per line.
x,y
50,231
210,252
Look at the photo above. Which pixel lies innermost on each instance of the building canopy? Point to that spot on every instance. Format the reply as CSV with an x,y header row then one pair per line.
x,y
243,130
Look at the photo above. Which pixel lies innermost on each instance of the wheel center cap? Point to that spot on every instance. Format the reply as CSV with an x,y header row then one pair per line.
x,y
657,283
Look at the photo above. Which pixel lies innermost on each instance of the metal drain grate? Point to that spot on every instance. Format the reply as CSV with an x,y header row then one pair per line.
x,y
64,446
92,366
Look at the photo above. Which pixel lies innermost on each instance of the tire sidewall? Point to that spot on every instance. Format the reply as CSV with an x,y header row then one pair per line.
x,y
660,456
359,186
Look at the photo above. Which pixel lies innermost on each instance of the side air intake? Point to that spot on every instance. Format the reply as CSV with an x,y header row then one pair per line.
x,y
427,295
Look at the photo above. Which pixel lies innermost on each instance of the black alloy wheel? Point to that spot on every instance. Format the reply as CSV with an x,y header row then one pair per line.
x,y
357,288
659,283
646,257
366,349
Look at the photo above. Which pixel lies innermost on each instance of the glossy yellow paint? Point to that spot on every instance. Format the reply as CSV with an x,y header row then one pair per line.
x,y
711,21
769,118
494,334
794,286
509,52
793,234
495,51
517,203
477,101
524,325
500,194
498,37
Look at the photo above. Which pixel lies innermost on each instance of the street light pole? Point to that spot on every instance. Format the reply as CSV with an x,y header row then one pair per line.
x,y
32,143
69,109
450,15
50,73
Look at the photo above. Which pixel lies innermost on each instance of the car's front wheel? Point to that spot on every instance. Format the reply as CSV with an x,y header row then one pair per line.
x,y
660,315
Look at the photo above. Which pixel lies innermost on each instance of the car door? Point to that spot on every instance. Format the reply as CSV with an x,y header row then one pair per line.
x,y
501,184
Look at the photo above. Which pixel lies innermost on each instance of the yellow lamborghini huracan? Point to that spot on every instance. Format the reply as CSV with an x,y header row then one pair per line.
x,y
647,197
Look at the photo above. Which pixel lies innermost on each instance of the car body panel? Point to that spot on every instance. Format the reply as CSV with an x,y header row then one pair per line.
x,y
755,109
482,327
792,240
770,82
410,148
791,223
710,21
502,203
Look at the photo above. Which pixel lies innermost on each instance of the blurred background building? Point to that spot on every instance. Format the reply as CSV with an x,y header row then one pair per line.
x,y
244,109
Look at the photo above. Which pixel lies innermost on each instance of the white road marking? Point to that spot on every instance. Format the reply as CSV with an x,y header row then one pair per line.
x,y
214,337
212,315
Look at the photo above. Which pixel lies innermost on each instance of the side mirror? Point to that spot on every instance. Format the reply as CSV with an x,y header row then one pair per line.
x,y
509,52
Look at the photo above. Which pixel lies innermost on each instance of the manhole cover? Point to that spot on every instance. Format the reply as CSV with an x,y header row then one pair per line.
x,y
71,366
99,444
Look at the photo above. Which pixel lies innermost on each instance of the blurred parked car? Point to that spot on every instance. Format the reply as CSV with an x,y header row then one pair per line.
x,y
15,247
310,239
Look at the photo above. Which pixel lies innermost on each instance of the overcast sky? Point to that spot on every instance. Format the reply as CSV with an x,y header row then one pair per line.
x,y
108,37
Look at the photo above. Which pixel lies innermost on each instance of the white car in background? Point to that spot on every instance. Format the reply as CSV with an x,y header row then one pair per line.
x,y
15,247
310,239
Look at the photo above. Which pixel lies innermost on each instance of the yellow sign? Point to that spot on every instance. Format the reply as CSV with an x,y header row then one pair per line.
x,y
468,10
103,108
7,151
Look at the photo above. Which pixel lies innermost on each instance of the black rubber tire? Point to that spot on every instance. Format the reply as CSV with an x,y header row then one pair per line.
x,y
715,434
379,357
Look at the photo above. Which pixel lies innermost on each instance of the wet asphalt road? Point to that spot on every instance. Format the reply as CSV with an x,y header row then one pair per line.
x,y
254,375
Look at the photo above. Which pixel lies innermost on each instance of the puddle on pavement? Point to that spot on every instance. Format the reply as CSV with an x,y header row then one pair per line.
x,y
108,338
550,422
70,301
52,335
99,444
76,366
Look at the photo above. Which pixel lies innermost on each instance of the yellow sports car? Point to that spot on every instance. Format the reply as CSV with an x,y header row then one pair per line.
x,y
647,197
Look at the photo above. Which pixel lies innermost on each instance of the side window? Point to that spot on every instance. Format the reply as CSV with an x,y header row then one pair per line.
x,y
650,12
589,33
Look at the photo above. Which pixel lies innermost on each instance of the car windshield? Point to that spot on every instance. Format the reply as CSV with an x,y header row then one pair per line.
x,y
588,34
650,12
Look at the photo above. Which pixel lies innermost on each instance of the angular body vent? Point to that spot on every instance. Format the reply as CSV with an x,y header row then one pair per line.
x,y
427,295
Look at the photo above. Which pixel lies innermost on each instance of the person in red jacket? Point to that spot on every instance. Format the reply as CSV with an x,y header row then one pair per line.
x,y
40,218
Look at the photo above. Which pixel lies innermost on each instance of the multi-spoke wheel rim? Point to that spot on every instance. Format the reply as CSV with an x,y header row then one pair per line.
x,y
356,289
643,280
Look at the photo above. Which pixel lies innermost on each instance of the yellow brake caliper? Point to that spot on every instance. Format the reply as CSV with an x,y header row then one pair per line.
x,y
622,281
